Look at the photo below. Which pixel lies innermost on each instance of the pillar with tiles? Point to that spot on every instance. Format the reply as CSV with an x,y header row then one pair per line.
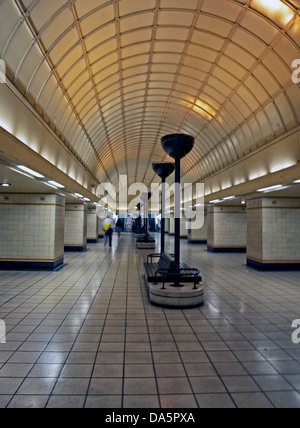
x,y
92,226
226,229
274,233
32,231
198,236
100,230
75,227
171,226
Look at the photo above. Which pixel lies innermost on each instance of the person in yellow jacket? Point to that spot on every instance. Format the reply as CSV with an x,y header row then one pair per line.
x,y
107,226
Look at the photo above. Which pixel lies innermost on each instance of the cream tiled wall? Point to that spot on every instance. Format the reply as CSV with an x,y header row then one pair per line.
x,y
196,235
92,224
100,230
171,226
227,227
274,230
75,225
31,227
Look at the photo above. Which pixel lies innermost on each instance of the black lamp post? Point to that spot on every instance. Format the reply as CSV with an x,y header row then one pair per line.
x,y
163,170
145,198
177,146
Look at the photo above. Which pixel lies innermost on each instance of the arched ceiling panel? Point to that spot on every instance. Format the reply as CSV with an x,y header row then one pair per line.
x,y
112,77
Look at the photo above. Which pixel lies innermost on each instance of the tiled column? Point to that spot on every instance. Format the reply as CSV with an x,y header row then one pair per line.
x,y
183,228
167,225
226,229
92,226
198,236
32,231
172,226
274,233
75,227
100,230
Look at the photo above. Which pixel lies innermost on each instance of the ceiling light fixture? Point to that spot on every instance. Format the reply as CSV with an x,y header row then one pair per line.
x,y
19,172
30,171
54,183
5,184
267,189
50,185
229,197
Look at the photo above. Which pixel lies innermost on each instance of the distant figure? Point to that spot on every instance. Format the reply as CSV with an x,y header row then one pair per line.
x,y
119,228
108,230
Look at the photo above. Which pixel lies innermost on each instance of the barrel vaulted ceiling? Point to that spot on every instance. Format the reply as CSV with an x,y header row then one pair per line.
x,y
113,77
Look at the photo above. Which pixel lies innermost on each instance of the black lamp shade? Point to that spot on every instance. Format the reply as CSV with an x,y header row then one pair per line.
x,y
178,145
163,169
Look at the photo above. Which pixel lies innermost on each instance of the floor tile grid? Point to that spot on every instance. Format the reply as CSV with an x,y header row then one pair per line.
x,y
139,388
125,313
59,391
286,380
26,282
31,296
270,323
90,393
257,314
182,398
96,262
219,356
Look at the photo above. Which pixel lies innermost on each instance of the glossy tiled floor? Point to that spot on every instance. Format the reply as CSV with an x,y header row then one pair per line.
x,y
86,336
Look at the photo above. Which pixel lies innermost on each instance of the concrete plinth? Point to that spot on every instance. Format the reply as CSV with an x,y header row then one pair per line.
x,y
183,297
146,245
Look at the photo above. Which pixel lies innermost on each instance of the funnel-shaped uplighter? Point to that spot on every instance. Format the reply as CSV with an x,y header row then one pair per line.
x,y
177,146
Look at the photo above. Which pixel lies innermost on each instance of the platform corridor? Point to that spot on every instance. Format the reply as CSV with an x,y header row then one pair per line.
x,y
87,336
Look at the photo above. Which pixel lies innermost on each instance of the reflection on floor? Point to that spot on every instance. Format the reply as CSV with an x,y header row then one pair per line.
x,y
87,336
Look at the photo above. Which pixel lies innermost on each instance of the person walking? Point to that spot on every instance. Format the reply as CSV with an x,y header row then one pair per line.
x,y
108,230
119,228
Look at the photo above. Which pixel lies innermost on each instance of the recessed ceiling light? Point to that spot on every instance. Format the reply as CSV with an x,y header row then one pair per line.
x,y
30,171
50,185
266,189
54,183
5,184
228,198
20,172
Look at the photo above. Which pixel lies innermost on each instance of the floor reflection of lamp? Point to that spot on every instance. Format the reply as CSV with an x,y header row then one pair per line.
x,y
177,146
163,170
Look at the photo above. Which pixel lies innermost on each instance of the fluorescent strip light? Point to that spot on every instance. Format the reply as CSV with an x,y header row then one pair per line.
x,y
87,199
54,183
50,185
215,201
297,181
22,173
229,197
30,171
78,195
266,189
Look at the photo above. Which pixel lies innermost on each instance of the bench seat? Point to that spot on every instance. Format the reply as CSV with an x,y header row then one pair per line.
x,y
163,270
